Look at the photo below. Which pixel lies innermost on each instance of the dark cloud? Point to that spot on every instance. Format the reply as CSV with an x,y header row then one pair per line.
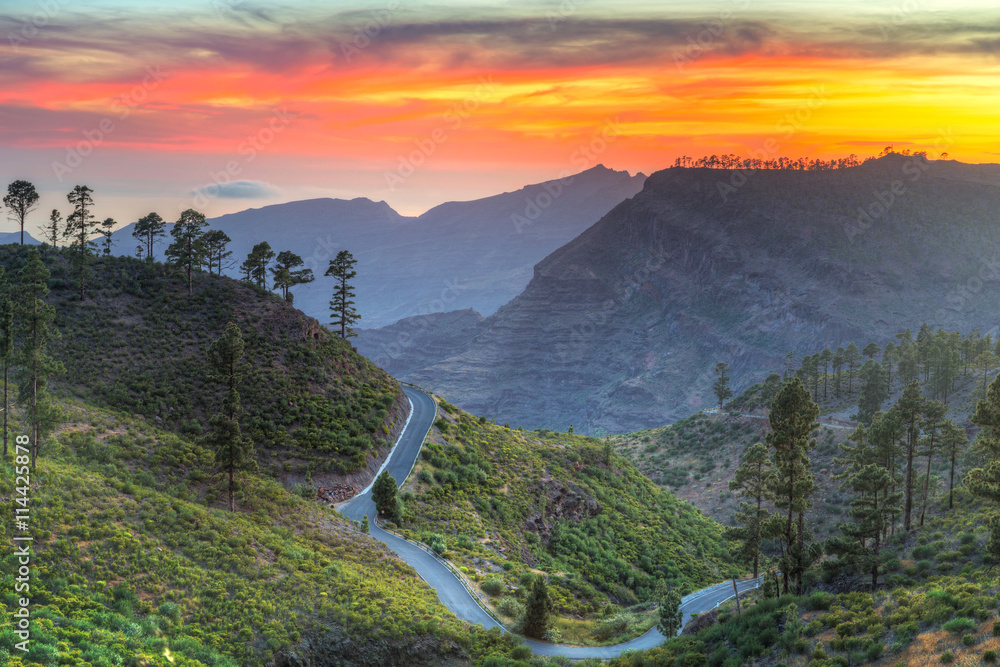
x,y
269,40
236,190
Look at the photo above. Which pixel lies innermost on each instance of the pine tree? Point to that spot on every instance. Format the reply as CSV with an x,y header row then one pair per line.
x,y
53,230
888,359
537,610
233,451
986,360
148,230
287,273
871,349
21,199
932,422
910,407
852,356
722,390
6,346
838,362
859,547
671,617
985,482
342,305
34,317
909,365
107,229
186,251
953,442
792,419
384,494
825,357
925,349
217,257
256,266
80,227
751,481
873,393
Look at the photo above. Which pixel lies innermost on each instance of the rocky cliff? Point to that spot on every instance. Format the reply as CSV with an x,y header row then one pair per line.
x,y
620,329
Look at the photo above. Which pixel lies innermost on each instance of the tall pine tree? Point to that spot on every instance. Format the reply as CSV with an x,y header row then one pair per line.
x,y
342,304
233,451
751,481
792,418
187,251
80,227
34,319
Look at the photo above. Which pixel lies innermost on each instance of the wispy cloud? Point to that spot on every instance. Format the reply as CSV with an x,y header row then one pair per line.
x,y
237,190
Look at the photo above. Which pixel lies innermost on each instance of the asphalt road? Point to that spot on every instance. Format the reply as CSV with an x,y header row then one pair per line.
x,y
450,590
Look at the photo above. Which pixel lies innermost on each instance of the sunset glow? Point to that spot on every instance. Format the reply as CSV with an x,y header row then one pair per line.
x,y
305,103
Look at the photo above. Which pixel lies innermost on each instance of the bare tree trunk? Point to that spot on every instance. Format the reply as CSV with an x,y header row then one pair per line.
x,y
6,408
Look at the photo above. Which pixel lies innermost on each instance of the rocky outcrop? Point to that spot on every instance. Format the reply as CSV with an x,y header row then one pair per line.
x,y
621,328
562,502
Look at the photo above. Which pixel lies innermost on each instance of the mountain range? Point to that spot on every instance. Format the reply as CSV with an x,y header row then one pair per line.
x,y
620,329
473,254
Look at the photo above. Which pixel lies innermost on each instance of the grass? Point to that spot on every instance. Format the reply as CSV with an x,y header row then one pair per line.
x,y
136,345
511,505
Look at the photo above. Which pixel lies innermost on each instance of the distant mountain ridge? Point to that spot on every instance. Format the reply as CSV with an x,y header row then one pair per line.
x,y
620,329
474,254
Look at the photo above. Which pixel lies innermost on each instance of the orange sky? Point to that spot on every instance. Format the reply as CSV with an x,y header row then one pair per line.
x,y
436,108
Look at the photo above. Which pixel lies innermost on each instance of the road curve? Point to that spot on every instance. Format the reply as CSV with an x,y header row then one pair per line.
x,y
450,590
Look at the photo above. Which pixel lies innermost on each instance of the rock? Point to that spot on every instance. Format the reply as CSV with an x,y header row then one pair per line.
x,y
563,501
336,493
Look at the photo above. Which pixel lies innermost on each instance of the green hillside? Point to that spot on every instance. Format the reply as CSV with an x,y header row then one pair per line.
x,y
136,345
508,503
134,564
136,561
939,607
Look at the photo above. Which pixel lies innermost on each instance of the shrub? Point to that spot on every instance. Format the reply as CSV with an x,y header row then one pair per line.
x,y
845,629
959,625
968,639
510,607
990,656
820,601
947,657
493,586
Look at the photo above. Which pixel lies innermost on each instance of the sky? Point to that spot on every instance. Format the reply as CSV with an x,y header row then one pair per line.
x,y
223,105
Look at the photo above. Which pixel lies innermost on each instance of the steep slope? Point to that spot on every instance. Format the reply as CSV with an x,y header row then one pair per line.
x,y
137,343
135,562
509,505
475,254
620,329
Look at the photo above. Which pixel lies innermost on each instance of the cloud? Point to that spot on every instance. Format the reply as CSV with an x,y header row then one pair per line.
x,y
236,190
293,38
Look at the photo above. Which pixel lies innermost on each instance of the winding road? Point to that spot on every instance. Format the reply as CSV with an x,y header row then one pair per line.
x,y
450,589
